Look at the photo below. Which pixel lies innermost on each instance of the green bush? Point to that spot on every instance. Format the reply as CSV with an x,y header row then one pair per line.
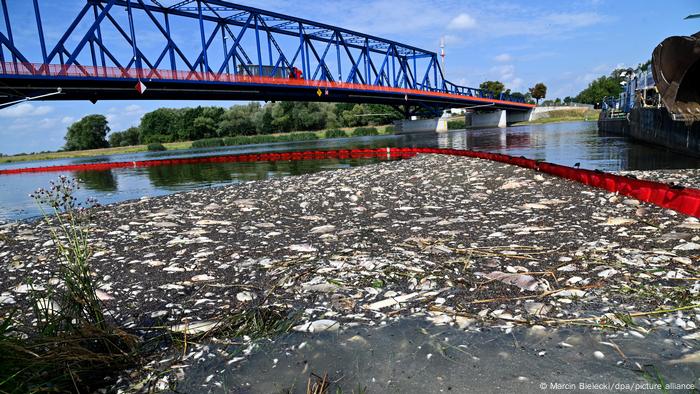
x,y
298,137
263,139
456,124
336,133
208,143
389,129
364,131
160,138
155,147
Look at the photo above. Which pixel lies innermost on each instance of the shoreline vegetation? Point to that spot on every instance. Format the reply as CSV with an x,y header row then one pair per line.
x,y
207,142
555,116
178,128
565,115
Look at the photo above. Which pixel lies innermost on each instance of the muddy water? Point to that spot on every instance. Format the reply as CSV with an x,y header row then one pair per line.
x,y
414,356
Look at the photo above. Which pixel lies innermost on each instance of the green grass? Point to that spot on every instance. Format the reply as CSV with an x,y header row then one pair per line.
x,y
335,133
253,139
208,143
566,115
365,131
91,152
456,124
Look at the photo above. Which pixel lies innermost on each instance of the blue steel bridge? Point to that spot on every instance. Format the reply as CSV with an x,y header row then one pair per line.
x,y
213,50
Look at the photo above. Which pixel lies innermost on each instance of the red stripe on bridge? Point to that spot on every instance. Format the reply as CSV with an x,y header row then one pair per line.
x,y
74,71
683,200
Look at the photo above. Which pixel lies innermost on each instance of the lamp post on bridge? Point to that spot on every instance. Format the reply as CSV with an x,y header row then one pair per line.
x,y
228,71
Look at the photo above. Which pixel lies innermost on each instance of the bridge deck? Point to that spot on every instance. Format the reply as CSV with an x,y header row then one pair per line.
x,y
78,83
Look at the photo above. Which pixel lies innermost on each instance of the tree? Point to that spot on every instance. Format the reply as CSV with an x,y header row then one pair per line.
x,y
89,132
115,139
131,136
238,120
605,86
568,100
161,125
518,95
127,137
205,127
539,91
496,87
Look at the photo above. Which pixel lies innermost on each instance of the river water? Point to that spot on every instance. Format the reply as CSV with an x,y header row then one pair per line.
x,y
562,143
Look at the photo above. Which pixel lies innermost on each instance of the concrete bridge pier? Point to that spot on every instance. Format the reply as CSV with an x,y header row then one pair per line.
x,y
518,116
498,118
409,126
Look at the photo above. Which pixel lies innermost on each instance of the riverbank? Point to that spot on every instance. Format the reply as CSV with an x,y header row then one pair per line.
x,y
565,115
90,152
449,240
331,133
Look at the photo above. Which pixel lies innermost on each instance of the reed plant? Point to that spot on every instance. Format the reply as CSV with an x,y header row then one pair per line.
x,y
67,345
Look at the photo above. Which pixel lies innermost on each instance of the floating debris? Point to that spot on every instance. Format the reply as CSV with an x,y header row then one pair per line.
x,y
460,241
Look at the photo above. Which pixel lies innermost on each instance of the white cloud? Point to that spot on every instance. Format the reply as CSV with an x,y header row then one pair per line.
x,y
133,108
504,72
67,120
514,84
503,58
462,22
451,39
25,110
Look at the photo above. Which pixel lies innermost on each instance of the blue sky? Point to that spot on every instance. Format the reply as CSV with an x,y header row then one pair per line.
x,y
564,44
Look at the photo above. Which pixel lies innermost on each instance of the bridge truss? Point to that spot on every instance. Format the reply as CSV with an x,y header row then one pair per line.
x,y
214,49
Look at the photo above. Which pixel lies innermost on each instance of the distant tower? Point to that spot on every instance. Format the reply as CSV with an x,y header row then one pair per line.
x,y
442,54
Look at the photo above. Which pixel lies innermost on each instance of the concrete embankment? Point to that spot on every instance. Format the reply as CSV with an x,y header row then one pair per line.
x,y
455,240
655,126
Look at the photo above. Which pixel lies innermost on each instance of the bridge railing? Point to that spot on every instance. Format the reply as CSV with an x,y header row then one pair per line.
x,y
58,71
482,93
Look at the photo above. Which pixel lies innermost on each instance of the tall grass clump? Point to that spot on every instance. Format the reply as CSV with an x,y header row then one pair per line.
x,y
335,133
267,138
389,129
70,346
208,143
365,131
155,147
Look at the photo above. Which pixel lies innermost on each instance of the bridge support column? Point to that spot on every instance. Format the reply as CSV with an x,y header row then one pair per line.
x,y
496,118
518,116
407,126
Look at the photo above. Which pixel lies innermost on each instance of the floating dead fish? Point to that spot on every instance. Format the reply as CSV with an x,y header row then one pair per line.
x,y
318,326
323,229
208,222
525,282
198,327
303,248
202,278
618,222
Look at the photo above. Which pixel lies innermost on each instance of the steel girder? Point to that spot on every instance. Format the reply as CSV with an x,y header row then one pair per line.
x,y
231,39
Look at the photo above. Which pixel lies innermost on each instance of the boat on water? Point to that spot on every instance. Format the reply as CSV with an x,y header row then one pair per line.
x,y
660,103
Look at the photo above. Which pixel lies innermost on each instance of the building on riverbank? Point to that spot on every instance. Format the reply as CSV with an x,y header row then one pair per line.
x,y
660,104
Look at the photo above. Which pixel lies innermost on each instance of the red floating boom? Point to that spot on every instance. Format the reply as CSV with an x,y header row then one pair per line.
x,y
683,200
